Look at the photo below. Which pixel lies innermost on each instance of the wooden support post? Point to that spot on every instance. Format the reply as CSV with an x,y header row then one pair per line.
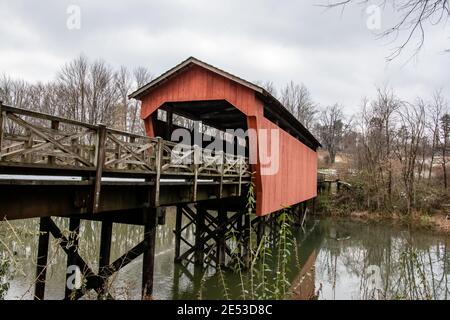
x,y
99,161
199,245
197,160
42,259
222,225
169,127
72,253
148,261
222,169
158,162
240,159
28,144
54,126
117,153
132,141
105,256
178,226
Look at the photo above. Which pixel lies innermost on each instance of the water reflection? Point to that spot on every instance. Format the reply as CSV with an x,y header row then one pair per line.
x,y
381,261
332,259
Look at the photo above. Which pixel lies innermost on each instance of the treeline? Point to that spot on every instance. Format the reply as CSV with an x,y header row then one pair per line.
x,y
393,151
400,151
83,90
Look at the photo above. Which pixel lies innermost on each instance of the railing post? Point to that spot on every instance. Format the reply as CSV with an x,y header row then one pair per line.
x,y
54,126
197,159
222,169
240,159
158,163
99,161
132,140
28,145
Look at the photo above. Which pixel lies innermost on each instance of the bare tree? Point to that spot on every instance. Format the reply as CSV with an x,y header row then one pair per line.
x,y
407,142
141,76
297,99
376,126
73,82
331,128
87,91
123,85
445,129
435,111
413,15
268,86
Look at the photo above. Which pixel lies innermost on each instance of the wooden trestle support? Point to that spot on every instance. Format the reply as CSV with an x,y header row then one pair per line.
x,y
221,235
92,280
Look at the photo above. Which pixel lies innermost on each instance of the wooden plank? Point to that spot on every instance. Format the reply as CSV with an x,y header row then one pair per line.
x,y
46,137
45,116
54,126
131,152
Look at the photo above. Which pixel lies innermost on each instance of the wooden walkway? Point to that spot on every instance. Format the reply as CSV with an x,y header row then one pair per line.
x,y
50,147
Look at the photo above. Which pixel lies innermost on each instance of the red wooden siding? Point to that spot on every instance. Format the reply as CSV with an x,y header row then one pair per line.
x,y
296,179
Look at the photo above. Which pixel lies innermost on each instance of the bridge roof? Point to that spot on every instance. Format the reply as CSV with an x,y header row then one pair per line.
x,y
275,107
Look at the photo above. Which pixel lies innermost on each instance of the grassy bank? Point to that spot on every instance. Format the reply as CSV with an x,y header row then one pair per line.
x,y
434,218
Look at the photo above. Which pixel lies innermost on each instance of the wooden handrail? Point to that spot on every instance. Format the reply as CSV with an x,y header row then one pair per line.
x,y
103,150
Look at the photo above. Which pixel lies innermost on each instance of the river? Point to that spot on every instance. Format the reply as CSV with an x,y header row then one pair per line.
x,y
331,259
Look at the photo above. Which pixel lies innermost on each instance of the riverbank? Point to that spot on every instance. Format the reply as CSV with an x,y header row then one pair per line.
x,y
438,222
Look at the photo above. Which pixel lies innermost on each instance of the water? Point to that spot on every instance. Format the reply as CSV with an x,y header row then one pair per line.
x,y
332,259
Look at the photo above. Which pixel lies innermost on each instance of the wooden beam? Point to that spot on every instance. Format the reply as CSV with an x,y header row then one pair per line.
x,y
199,244
178,226
99,161
148,261
72,253
105,256
158,164
42,259
54,126
222,226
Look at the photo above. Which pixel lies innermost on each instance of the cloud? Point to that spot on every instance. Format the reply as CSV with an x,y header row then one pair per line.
x,y
335,55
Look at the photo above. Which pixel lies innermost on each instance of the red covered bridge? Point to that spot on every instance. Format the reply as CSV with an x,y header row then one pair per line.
x,y
52,166
202,92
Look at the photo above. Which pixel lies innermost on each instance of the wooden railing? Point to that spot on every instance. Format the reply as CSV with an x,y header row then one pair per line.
x,y
37,140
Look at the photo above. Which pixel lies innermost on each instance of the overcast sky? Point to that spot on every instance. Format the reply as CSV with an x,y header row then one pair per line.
x,y
336,56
